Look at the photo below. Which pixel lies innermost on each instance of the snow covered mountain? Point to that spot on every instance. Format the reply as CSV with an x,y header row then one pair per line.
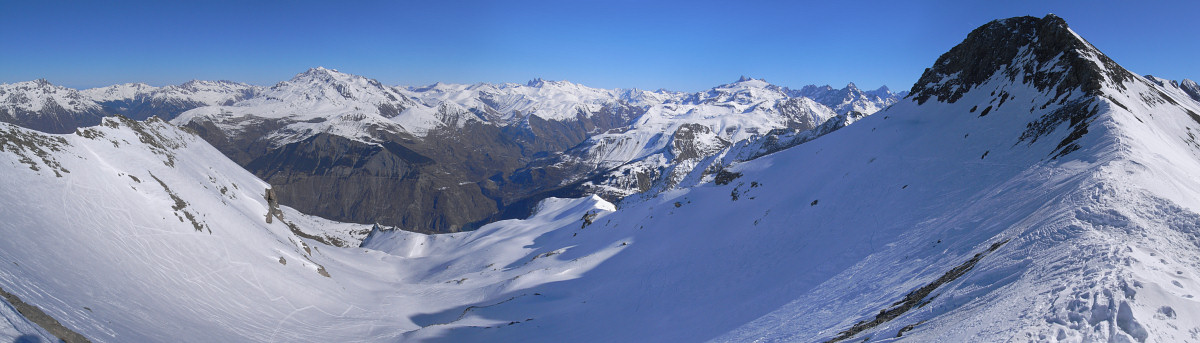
x,y
1182,89
850,98
327,101
475,149
140,101
43,106
670,139
549,100
479,148
1029,189
436,148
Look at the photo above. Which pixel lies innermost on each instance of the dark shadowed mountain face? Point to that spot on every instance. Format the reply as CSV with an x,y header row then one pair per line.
x,y
446,181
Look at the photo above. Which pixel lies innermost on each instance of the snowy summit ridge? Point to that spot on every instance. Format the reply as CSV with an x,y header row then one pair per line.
x,y
1040,51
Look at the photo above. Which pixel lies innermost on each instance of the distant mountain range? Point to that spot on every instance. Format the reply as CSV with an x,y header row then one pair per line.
x,y
449,157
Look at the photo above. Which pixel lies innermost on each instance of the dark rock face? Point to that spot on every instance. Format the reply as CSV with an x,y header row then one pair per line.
x,y
39,317
348,180
142,108
685,146
453,179
53,118
1040,52
1078,113
1046,53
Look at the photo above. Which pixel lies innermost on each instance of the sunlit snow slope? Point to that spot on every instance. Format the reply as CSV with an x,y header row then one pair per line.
x,y
139,231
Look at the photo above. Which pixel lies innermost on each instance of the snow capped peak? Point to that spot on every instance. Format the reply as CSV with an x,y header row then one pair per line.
x,y
745,92
744,83
197,85
118,92
320,100
750,82
40,94
849,99
320,71
1191,88
322,75
1043,52
321,84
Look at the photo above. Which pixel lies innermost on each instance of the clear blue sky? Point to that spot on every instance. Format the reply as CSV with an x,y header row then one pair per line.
x,y
678,45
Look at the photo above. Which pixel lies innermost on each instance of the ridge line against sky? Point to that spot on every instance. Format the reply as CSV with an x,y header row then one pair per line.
x,y
675,45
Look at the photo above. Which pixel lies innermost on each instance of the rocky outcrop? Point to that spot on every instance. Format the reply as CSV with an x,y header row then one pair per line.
x,y
1022,49
272,205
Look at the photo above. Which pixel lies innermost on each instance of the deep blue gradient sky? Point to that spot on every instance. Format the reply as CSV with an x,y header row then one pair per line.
x,y
677,45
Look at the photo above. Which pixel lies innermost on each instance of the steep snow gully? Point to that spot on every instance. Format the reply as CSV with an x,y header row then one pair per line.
x,y
1028,189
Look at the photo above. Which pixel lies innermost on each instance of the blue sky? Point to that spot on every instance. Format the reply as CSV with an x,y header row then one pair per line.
x,y
678,45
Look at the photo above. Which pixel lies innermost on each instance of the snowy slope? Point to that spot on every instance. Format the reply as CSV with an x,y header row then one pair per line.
x,y
139,231
987,228
130,217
